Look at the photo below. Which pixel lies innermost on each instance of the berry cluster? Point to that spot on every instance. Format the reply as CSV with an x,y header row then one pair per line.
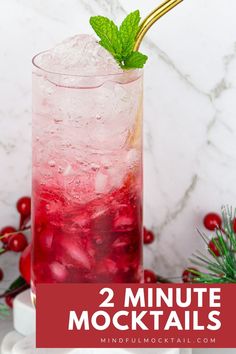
x,y
13,239
212,222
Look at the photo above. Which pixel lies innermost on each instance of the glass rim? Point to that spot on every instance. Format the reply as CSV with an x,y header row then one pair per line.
x,y
123,73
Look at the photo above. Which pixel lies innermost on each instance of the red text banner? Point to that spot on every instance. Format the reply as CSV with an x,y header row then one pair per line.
x,y
135,316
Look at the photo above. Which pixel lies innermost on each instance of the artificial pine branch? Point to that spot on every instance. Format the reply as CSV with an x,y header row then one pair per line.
x,y
219,269
4,311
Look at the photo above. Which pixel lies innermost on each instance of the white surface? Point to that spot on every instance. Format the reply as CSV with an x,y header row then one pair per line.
x,y
27,346
24,319
9,342
6,326
190,146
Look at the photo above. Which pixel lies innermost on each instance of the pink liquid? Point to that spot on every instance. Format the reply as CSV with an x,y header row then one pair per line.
x,y
96,242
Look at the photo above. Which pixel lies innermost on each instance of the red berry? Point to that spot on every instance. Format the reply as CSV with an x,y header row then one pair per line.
x,y
148,236
6,231
17,242
25,264
188,276
24,206
212,221
213,246
149,276
1,274
9,300
234,225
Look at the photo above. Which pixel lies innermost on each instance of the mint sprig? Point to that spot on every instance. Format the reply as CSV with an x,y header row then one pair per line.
x,y
128,32
120,42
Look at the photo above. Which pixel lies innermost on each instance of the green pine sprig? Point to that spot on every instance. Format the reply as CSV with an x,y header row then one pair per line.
x,y
120,41
218,269
4,311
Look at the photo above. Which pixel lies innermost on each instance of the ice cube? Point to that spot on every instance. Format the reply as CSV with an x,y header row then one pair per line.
x,y
121,243
70,252
101,181
79,54
45,238
124,219
81,219
50,272
111,266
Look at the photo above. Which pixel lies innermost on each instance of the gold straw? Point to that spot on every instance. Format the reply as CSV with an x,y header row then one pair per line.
x,y
152,18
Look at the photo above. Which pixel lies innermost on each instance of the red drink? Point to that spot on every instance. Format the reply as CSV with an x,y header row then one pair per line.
x,y
100,241
87,177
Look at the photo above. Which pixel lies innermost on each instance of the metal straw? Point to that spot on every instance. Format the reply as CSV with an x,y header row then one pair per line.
x,y
152,18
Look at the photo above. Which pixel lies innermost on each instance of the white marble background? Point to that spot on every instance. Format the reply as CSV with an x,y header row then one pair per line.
x,y
190,111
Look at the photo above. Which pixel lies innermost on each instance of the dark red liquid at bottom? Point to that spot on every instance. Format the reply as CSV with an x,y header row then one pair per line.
x,y
97,242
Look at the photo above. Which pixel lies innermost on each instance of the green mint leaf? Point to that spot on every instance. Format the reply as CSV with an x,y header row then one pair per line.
x,y
128,32
108,32
120,42
135,60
